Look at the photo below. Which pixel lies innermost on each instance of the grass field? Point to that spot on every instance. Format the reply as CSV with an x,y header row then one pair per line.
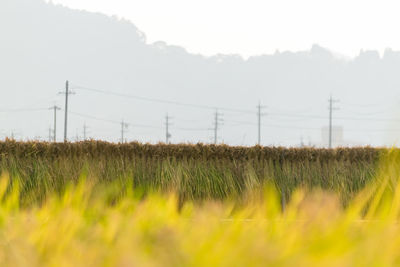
x,y
193,172
99,204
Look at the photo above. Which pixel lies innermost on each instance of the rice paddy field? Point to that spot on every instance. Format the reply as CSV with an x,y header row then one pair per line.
x,y
101,204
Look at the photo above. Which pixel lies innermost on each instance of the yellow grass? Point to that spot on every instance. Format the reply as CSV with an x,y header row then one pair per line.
x,y
81,228
86,225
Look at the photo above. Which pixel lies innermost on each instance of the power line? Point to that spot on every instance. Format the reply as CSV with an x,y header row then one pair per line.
x,y
244,111
170,102
364,105
338,118
194,129
112,121
367,113
93,117
237,123
217,118
241,123
22,110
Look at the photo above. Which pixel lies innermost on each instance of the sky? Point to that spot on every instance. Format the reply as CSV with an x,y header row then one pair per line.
x,y
254,27
295,95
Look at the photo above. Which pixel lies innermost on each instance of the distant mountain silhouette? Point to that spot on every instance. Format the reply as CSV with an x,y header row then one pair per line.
x,y
42,45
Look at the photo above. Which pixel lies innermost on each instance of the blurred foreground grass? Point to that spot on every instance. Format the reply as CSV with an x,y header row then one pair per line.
x,y
92,225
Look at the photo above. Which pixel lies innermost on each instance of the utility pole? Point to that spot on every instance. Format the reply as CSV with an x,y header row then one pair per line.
x,y
259,115
67,93
55,108
167,125
123,127
77,135
50,134
217,122
85,128
331,109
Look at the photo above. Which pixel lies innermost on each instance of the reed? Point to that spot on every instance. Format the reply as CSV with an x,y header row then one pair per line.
x,y
194,172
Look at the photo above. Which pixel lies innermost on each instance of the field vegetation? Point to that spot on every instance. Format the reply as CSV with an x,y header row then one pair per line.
x,y
193,172
101,204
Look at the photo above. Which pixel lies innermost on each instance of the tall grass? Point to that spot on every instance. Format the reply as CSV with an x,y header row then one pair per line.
x,y
193,172
106,224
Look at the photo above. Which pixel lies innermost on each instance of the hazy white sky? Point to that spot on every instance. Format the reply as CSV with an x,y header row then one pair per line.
x,y
252,27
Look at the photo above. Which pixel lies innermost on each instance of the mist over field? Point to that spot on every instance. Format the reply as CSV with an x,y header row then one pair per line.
x,y
42,45
159,165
